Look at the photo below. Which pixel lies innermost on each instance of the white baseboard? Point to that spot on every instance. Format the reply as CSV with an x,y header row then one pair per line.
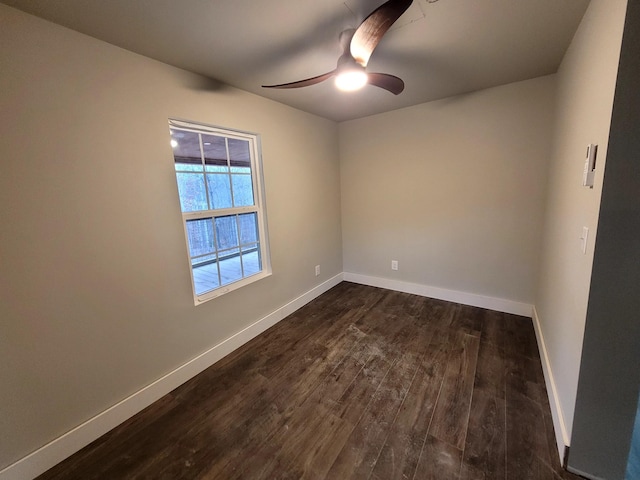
x,y
559,423
491,303
62,447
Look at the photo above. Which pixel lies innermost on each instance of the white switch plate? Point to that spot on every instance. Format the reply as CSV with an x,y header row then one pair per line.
x,y
394,264
317,270
584,238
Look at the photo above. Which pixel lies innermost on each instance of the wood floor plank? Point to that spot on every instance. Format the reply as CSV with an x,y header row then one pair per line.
x,y
401,452
491,370
314,459
325,396
485,446
383,344
493,328
521,377
439,313
527,452
362,449
520,337
347,308
451,416
294,444
329,310
438,461
342,365
358,393
273,450
271,406
468,320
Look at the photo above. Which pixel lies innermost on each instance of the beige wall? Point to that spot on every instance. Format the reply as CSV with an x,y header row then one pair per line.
x,y
95,292
586,82
452,189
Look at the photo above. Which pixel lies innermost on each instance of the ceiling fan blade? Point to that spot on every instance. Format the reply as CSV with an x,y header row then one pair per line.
x,y
390,83
303,83
373,28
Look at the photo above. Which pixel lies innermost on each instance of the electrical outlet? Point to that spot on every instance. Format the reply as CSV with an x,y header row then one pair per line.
x,y
394,264
317,270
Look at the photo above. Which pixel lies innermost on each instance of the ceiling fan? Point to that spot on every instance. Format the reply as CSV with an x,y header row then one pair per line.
x,y
359,44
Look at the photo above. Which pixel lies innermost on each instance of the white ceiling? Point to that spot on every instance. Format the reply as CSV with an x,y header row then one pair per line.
x,y
439,49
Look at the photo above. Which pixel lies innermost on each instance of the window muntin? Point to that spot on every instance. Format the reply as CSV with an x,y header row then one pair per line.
x,y
220,190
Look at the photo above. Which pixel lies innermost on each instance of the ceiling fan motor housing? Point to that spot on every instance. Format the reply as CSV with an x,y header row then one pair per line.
x,y
347,62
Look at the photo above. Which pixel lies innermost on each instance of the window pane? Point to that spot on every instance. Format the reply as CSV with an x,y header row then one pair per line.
x,y
227,232
186,167
245,170
203,260
248,228
205,277
239,154
215,153
219,190
200,235
251,260
186,150
230,266
229,253
217,168
192,193
242,190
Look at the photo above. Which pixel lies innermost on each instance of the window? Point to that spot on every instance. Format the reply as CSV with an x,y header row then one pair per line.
x,y
221,198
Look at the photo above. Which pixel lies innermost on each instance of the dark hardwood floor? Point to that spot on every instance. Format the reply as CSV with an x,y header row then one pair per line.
x,y
361,383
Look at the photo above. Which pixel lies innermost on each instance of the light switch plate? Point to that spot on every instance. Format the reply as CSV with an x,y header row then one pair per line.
x,y
584,238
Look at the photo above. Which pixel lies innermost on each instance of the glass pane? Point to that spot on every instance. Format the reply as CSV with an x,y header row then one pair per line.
x,y
239,154
217,168
228,253
246,170
200,235
242,190
205,277
251,260
186,150
227,232
230,266
186,167
248,228
203,260
215,153
193,196
219,190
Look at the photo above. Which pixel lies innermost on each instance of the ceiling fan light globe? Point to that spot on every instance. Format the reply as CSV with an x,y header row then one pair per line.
x,y
351,80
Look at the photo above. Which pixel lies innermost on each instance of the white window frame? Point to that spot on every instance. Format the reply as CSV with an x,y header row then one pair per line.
x,y
259,208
